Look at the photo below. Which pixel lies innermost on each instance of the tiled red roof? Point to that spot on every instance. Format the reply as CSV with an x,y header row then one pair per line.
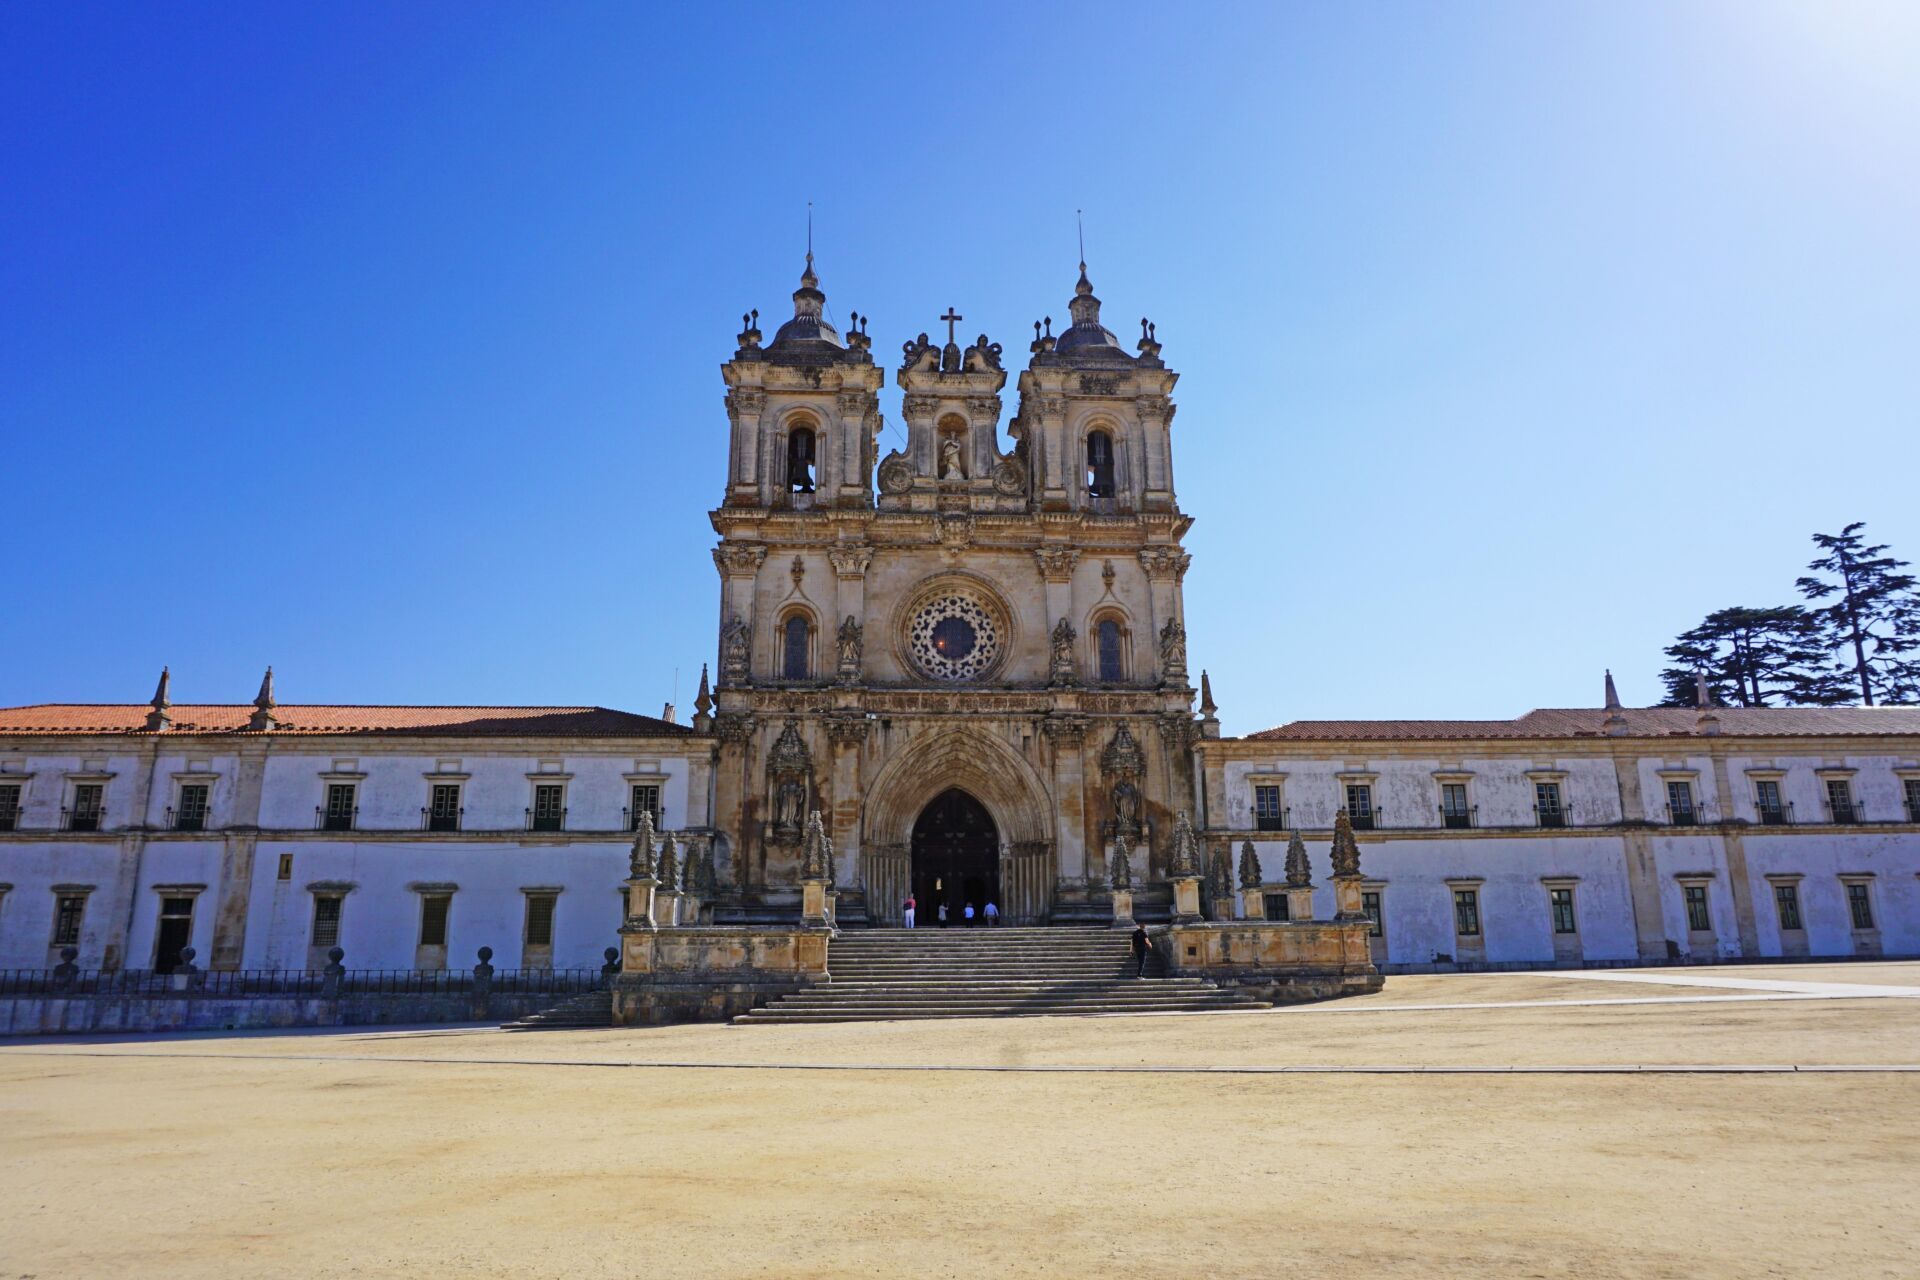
x,y
1642,722
544,722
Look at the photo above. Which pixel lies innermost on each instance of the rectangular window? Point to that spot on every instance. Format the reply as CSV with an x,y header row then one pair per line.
x,y
1266,808
1562,904
1276,907
88,801
1107,641
1913,799
540,919
548,812
443,807
1698,918
1466,912
175,933
68,911
1547,803
10,806
192,813
326,919
1360,805
1453,805
1680,803
1860,904
1766,799
1786,900
433,919
286,866
1840,800
646,799
340,810
1370,904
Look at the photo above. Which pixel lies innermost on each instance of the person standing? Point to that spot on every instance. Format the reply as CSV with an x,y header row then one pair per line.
x,y
1140,950
907,907
943,915
993,914
969,913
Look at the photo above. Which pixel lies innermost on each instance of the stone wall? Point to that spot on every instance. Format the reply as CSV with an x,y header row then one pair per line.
x,y
103,1014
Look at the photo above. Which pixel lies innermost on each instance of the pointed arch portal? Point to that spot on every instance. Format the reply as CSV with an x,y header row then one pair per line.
x,y
956,858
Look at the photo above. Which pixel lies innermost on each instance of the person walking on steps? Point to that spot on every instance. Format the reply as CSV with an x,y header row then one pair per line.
x,y
993,914
907,907
969,913
1140,950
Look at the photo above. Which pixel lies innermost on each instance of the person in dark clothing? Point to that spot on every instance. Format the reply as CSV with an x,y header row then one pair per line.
x,y
1141,949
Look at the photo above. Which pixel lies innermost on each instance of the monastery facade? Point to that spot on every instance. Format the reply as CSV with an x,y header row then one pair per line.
x,y
969,662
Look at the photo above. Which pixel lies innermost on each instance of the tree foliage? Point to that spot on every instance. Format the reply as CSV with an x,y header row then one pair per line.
x,y
1750,658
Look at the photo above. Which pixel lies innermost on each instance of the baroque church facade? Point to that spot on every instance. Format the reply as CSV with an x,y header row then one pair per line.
x,y
965,662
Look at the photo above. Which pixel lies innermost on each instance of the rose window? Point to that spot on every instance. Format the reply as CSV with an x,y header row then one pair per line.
x,y
953,638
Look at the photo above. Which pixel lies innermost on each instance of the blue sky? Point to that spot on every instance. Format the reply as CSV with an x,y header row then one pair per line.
x,y
380,342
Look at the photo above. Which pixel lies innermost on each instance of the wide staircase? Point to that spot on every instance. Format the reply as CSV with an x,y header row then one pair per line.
x,y
593,1009
990,973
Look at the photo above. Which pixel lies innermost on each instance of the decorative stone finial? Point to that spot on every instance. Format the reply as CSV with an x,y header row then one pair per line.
x,y
263,717
1249,866
703,704
159,718
1613,694
1122,868
1299,869
815,851
1184,854
640,863
668,869
1346,850
1207,706
1615,724
1220,874
1701,698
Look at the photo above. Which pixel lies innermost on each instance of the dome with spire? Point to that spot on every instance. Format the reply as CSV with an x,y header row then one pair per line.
x,y
808,330
1086,340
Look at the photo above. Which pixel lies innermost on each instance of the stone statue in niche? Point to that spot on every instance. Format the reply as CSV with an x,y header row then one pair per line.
x,y
735,641
952,465
850,644
1061,661
789,806
1173,650
1126,808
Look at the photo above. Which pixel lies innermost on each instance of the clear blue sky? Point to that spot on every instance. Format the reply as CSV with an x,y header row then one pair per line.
x,y
381,343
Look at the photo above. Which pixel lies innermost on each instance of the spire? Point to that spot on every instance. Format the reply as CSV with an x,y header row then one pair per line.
x,y
808,324
1184,857
158,719
1346,850
669,868
263,717
1701,698
703,704
640,863
1299,870
1249,866
1613,694
1207,707
1615,724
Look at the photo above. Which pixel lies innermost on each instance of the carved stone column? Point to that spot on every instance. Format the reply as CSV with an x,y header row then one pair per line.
x,y
738,563
1068,733
847,733
732,784
1056,571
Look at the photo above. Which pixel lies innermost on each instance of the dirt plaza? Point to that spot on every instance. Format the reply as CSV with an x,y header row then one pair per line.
x,y
1674,1122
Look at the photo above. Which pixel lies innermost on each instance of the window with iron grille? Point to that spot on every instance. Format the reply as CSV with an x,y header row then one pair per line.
x,y
68,911
1913,799
433,918
1860,904
1680,801
1840,799
1699,919
1274,906
1786,901
1370,907
88,800
540,919
326,919
443,807
339,810
1266,807
1561,901
646,799
1546,803
548,805
10,806
1453,804
798,637
192,813
1466,912
1766,799
1360,804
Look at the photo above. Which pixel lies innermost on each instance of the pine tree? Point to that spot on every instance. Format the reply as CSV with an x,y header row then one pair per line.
x,y
1873,622
1751,658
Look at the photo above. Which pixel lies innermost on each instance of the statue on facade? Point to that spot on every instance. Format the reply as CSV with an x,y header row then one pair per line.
x,y
1173,650
1346,850
952,466
736,640
816,852
1122,869
1061,662
789,806
850,642
1126,807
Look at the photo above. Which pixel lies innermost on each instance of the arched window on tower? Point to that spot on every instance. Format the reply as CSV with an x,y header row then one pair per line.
x,y
796,643
1099,465
1106,635
800,451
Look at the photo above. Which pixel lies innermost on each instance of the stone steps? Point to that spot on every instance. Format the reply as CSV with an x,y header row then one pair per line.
x,y
594,1009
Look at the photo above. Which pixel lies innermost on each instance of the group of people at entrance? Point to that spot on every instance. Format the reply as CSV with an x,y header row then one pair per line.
x,y
989,914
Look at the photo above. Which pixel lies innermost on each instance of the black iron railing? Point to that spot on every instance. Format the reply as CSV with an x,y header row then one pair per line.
x,y
298,982
326,818
1271,821
442,819
1775,815
546,820
1552,815
81,819
1456,817
1845,812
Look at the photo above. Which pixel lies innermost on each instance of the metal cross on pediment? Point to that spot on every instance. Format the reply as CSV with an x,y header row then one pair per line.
x,y
952,318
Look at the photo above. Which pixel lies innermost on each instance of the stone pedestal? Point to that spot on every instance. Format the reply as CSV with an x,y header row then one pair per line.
x,y
1253,903
813,902
1123,908
1222,906
1346,898
1186,899
1300,902
666,908
640,896
690,907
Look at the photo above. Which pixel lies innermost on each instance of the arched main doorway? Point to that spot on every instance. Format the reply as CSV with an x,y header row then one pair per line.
x,y
956,858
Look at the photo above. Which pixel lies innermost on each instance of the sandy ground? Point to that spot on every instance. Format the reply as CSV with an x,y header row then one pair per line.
x,y
478,1153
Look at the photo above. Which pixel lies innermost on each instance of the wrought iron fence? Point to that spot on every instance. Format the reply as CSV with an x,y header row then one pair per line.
x,y
298,982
